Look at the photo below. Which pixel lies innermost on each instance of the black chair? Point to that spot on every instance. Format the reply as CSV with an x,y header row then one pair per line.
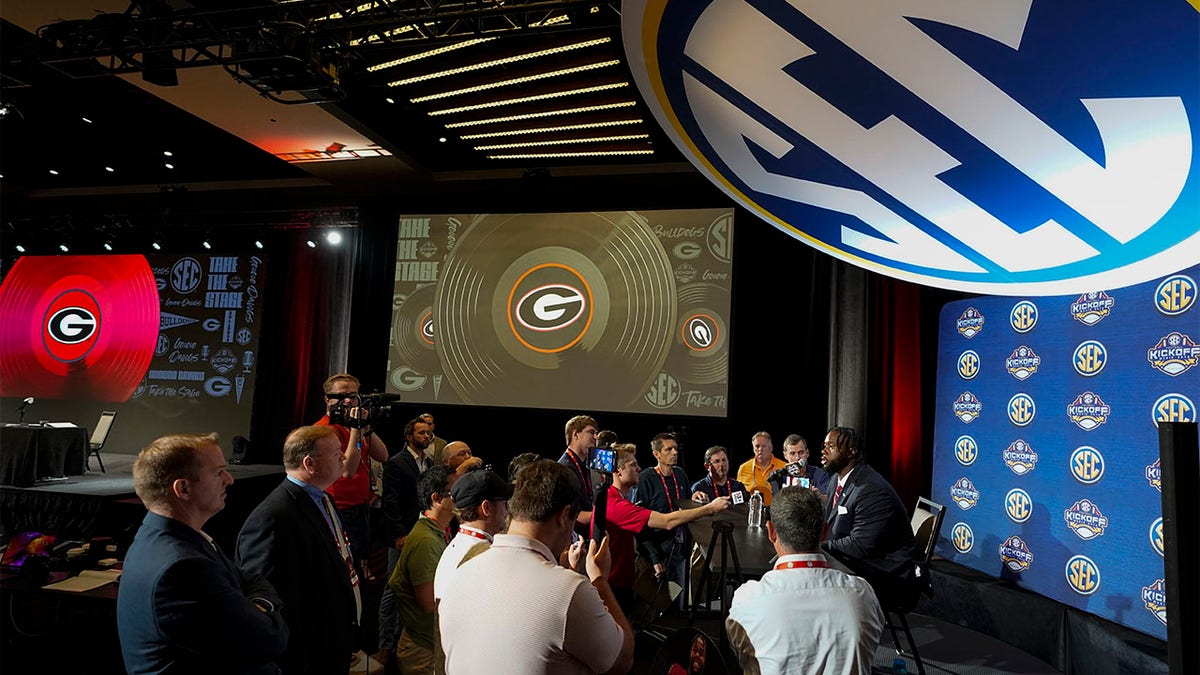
x,y
926,526
99,435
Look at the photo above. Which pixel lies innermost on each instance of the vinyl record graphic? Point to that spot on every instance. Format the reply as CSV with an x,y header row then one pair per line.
x,y
66,333
567,312
413,331
700,348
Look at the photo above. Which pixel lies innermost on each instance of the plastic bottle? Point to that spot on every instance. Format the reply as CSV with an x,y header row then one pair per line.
x,y
756,509
899,667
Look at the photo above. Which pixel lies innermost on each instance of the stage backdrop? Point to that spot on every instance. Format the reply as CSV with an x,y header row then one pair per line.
x,y
168,341
623,311
1046,447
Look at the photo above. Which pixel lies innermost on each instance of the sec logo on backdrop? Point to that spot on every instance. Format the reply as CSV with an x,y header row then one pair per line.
x,y
961,145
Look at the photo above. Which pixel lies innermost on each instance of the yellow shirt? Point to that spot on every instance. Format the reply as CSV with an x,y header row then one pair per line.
x,y
755,479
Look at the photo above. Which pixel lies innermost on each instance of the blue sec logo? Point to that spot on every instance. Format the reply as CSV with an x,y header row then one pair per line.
x,y
1083,576
966,450
1087,465
962,537
1018,505
1173,407
1021,410
1023,317
1089,358
968,364
894,138
1156,536
1175,295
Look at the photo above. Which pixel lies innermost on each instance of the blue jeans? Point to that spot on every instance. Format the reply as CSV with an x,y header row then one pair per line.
x,y
389,620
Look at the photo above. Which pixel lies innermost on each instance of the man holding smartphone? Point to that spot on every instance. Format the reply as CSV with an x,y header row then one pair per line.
x,y
624,520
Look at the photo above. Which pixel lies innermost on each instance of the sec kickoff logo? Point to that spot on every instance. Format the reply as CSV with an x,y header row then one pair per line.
x,y
966,450
1083,576
1085,519
1021,409
894,135
1154,475
1089,358
1092,307
1173,407
968,364
550,308
964,494
1015,554
1175,295
1018,505
1175,354
1156,536
970,323
1087,465
1088,411
1023,316
1022,363
967,407
962,537
1154,599
1020,457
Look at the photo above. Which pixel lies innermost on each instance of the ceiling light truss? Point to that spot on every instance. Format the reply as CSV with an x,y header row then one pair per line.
x,y
554,129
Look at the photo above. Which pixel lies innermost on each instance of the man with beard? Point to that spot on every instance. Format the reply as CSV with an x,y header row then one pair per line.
x,y
717,483
623,519
795,451
867,527
755,472
401,509
661,488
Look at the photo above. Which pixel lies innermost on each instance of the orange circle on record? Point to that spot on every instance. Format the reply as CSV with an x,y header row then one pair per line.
x,y
512,293
690,343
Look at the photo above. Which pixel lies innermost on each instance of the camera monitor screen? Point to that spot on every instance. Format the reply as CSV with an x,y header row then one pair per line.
x,y
603,460
620,311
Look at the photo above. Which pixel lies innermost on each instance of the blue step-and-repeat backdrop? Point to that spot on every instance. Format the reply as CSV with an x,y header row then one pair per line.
x,y
1046,441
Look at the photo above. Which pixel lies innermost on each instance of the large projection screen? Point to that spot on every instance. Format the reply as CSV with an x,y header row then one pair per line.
x,y
620,311
1046,441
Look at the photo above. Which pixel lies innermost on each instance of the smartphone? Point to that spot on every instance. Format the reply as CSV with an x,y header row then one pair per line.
x,y
602,460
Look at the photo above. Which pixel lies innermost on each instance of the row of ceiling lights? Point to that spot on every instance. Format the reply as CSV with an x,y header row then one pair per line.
x,y
109,244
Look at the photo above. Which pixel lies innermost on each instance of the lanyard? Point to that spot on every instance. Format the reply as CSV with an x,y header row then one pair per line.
x,y
802,564
728,488
670,504
472,532
585,478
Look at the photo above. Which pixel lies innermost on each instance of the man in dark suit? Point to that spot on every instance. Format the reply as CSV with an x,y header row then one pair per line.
x,y
295,539
183,607
868,528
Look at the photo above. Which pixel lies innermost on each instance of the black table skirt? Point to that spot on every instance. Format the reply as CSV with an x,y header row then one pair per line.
x,y
29,452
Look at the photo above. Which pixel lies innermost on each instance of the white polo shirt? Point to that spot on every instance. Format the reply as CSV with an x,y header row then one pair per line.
x,y
514,608
467,538
802,619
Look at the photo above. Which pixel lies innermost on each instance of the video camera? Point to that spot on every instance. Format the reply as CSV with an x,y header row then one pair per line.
x,y
373,407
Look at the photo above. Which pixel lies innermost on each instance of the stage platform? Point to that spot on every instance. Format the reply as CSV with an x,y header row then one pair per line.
x,y
104,504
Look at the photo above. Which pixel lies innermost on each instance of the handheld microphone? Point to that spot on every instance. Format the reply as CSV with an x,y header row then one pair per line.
x,y
27,401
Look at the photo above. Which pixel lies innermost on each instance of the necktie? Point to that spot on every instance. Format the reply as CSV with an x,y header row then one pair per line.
x,y
343,545
837,495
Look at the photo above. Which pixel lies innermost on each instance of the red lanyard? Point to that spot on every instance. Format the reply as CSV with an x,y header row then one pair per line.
x,y
802,564
585,477
670,504
728,488
472,532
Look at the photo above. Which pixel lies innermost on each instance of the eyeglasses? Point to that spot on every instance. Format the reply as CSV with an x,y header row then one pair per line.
x,y
338,397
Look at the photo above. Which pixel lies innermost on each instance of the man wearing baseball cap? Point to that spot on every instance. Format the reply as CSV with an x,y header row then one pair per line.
x,y
481,504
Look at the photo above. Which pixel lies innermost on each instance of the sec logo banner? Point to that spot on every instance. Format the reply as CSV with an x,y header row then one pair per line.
x,y
961,145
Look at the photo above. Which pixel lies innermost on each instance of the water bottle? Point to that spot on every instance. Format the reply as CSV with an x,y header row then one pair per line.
x,y
756,509
899,667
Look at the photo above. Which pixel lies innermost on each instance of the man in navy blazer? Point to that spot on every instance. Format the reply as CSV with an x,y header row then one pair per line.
x,y
295,539
868,529
183,607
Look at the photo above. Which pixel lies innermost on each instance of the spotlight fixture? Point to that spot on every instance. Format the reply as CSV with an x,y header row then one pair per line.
x,y
333,237
311,243
167,153
87,120
53,172
258,244
108,245
207,245
169,166
157,242
441,139
64,248
389,99
20,248
108,169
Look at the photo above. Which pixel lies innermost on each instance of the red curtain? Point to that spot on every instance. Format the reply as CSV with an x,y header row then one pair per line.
x,y
895,384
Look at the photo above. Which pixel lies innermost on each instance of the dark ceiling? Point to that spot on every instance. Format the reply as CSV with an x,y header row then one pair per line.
x,y
470,85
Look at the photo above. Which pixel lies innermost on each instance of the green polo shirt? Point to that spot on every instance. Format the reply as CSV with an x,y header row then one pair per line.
x,y
417,564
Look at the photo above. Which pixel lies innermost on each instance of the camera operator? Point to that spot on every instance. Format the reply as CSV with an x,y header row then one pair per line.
x,y
352,491
795,453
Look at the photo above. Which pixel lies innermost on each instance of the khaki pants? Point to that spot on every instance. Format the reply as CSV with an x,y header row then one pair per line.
x,y
412,657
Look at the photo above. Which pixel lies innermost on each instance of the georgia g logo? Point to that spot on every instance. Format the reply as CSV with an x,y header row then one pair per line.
x,y
886,134
71,326
550,308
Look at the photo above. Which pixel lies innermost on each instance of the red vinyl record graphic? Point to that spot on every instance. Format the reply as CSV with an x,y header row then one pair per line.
x,y
77,327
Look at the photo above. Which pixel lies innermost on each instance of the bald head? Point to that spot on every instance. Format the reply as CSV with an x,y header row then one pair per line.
x,y
455,453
